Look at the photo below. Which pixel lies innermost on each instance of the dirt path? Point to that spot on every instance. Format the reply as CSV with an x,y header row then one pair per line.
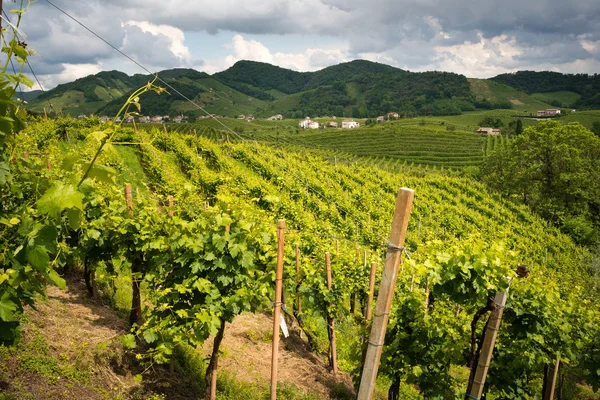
x,y
246,353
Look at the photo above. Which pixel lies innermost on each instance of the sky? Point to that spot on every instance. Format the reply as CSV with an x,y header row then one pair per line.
x,y
478,39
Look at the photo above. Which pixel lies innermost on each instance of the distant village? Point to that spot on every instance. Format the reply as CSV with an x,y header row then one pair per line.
x,y
309,123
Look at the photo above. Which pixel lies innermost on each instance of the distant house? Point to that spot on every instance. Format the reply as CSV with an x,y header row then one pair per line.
x,y
332,124
178,119
104,118
393,115
275,117
166,118
129,119
380,118
241,116
156,119
306,123
489,131
349,124
249,118
550,112
144,120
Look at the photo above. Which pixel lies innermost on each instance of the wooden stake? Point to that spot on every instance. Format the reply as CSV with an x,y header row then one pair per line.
x,y
386,293
331,322
277,310
171,203
298,300
550,383
129,198
487,348
371,290
427,296
228,227
48,165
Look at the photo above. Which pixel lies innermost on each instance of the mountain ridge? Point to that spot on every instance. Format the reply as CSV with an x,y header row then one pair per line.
x,y
359,88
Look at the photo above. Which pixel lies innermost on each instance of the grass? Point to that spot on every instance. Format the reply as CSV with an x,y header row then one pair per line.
x,y
494,91
566,98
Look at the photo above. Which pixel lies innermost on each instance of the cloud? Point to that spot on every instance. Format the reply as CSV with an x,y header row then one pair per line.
x,y
475,38
311,59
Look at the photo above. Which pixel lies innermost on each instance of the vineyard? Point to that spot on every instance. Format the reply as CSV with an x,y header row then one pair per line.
x,y
394,145
194,234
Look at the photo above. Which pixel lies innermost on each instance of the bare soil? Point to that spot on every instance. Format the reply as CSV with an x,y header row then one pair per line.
x,y
246,352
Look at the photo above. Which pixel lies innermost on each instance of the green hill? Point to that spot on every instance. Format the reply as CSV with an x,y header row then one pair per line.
x,y
503,96
357,89
563,98
587,86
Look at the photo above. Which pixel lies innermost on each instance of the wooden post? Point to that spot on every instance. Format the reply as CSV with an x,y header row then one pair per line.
x,y
371,290
386,293
129,198
550,383
171,203
228,227
213,381
487,348
48,165
298,300
426,296
277,310
330,322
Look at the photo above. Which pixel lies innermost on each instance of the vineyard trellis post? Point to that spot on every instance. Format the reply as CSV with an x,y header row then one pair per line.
x,y
171,203
277,307
371,290
135,316
330,321
489,341
386,293
298,299
550,380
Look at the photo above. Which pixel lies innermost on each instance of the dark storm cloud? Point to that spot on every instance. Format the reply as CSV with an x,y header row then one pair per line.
x,y
407,33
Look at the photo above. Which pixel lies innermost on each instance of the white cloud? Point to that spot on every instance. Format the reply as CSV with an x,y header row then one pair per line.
x,y
310,60
174,35
69,73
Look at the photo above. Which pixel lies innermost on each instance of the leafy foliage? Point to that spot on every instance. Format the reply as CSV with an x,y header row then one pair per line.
x,y
553,168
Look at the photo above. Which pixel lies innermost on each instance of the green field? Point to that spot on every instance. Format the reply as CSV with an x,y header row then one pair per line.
x,y
585,118
494,91
565,98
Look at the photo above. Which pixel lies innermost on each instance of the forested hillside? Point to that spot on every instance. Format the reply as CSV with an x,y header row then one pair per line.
x,y
587,86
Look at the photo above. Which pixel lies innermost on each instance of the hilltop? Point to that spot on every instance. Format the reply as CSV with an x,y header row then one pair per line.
x,y
359,89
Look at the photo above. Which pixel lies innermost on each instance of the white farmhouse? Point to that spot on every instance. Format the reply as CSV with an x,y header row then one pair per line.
x,y
349,124
307,123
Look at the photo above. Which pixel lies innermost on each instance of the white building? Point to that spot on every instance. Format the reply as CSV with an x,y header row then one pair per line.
x,y
349,124
307,123
550,112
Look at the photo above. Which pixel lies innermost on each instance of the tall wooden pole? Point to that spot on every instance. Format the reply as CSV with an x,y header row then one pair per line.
x,y
371,290
330,322
550,384
386,293
298,300
171,203
277,310
487,348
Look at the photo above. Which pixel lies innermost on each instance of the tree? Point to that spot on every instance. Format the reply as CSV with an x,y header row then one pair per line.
x,y
555,169
519,127
491,122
